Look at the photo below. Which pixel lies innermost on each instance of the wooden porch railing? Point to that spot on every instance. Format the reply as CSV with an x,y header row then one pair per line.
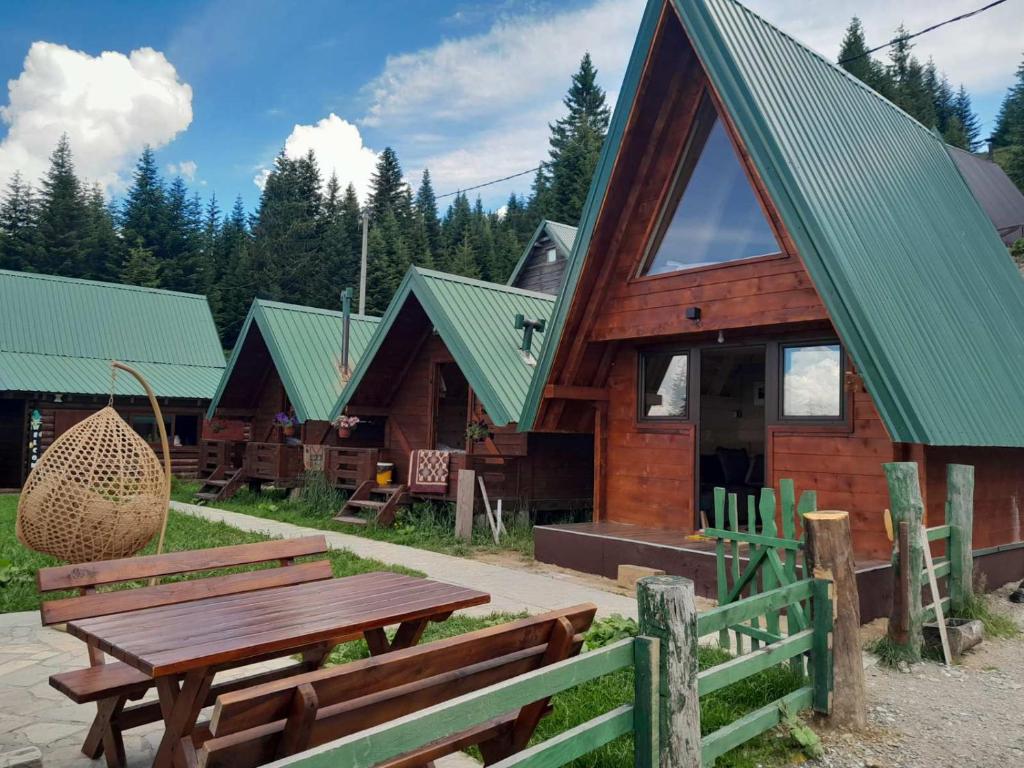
x,y
273,461
350,467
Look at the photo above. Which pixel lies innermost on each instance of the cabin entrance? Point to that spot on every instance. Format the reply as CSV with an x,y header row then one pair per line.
x,y
731,419
12,438
451,407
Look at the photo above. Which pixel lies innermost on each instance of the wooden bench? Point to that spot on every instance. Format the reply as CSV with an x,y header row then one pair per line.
x,y
266,722
112,684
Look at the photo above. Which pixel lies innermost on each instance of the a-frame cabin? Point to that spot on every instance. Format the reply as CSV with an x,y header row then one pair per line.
x,y
287,360
542,265
778,274
448,354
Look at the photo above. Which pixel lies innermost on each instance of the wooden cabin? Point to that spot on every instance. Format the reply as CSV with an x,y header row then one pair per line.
x,y
288,360
778,274
998,196
448,353
58,336
542,265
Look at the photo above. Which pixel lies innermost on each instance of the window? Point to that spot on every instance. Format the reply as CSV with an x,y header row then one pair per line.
x,y
712,214
812,382
664,377
551,256
147,428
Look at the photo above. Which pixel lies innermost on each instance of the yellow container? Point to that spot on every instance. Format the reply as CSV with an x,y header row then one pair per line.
x,y
385,472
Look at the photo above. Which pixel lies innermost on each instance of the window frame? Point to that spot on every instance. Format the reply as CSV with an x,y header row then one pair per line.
x,y
780,382
641,381
666,209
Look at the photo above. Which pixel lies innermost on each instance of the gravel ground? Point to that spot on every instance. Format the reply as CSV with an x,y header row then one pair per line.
x,y
932,717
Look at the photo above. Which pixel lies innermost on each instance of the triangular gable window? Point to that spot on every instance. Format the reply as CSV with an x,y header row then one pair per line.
x,y
712,214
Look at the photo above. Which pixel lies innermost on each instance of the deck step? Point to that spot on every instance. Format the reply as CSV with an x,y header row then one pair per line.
x,y
351,519
360,504
205,496
216,483
386,489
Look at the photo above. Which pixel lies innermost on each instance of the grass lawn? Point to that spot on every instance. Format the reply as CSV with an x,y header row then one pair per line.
x,y
425,525
18,565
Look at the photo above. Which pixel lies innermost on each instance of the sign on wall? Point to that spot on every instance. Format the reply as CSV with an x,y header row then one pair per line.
x,y
35,429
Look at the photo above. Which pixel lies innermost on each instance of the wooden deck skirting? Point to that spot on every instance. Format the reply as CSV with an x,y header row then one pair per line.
x,y
600,548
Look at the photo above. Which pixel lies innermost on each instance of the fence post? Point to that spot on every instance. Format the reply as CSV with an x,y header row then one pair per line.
x,y
465,500
907,507
668,612
960,518
830,552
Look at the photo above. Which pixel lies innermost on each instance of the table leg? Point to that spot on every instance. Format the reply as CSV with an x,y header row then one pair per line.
x,y
408,634
180,708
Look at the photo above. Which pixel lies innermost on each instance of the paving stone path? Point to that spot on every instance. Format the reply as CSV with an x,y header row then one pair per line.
x,y
511,589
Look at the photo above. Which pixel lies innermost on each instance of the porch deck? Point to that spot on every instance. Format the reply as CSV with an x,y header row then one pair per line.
x,y
601,547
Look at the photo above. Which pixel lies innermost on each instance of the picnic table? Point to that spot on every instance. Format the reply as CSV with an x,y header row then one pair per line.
x,y
182,646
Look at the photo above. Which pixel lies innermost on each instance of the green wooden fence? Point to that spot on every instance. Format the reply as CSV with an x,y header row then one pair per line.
x,y
647,717
765,568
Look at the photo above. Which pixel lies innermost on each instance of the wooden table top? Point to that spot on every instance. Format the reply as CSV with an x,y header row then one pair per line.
x,y
176,638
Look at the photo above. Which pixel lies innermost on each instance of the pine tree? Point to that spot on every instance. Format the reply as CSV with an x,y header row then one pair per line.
x,y
61,216
143,215
910,87
1007,141
426,211
386,186
463,259
179,253
237,286
102,248
970,124
141,268
576,141
19,248
854,58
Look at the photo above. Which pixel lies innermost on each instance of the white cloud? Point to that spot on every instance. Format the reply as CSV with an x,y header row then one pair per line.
x,y
110,106
339,149
186,169
982,52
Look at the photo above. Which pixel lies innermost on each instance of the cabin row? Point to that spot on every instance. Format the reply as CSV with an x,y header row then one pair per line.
x,y
777,274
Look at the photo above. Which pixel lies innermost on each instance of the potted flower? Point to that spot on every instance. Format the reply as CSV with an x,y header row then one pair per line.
x,y
477,431
345,425
286,424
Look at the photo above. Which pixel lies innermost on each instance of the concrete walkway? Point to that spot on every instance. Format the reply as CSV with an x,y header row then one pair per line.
x,y
512,590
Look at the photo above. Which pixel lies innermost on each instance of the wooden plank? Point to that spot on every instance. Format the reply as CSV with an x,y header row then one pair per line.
x,y
940,569
646,701
754,552
727,615
464,503
742,667
107,603
754,538
569,392
936,605
908,506
146,566
821,652
720,572
757,636
766,510
938,533
375,745
734,525
716,744
576,742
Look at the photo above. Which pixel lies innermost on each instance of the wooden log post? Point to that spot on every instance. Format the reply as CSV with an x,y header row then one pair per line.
x,y
907,507
465,500
668,612
830,553
960,518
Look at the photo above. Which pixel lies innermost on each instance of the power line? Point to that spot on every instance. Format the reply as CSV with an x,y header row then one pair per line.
x,y
933,27
489,183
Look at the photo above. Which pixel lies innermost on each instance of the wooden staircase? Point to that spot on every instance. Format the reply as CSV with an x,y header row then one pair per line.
x,y
382,500
220,485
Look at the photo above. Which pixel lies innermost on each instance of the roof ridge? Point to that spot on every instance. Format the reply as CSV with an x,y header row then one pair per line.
x,y
99,283
312,310
121,359
482,283
834,66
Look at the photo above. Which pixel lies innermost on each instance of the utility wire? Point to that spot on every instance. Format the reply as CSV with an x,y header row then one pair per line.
x,y
489,183
933,27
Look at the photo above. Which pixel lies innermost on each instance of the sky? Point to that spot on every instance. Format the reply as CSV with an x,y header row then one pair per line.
x,y
464,88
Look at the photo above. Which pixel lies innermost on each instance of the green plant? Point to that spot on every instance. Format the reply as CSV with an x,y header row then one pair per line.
x,y
801,733
997,624
610,630
889,653
317,495
477,430
14,574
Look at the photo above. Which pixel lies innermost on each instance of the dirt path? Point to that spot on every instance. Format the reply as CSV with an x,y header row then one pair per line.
x,y
931,717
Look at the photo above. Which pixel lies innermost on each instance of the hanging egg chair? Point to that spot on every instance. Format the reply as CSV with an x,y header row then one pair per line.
x,y
98,492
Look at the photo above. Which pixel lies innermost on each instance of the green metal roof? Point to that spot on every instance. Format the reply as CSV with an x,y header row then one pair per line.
x,y
475,321
59,334
305,346
562,235
912,273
